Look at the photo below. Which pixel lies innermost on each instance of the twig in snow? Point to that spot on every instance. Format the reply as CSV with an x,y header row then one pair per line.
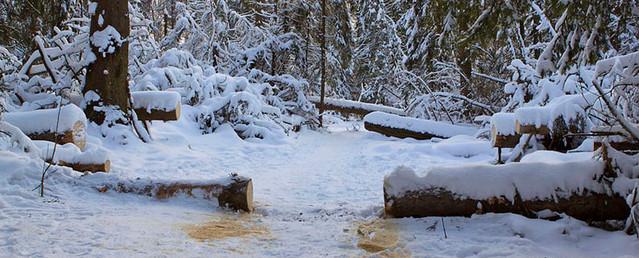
x,y
55,147
444,226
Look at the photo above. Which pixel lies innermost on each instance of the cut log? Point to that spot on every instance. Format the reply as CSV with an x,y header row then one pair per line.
x,y
624,146
503,141
41,124
531,129
82,167
92,159
156,105
616,136
502,130
405,127
350,107
235,192
397,132
442,202
530,188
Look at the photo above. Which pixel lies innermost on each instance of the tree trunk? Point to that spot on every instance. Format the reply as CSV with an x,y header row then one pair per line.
x,y
465,63
323,61
107,75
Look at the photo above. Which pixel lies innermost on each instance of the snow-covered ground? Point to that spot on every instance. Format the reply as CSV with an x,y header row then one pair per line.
x,y
312,191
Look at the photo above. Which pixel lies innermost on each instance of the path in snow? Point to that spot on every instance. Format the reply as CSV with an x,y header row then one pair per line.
x,y
311,191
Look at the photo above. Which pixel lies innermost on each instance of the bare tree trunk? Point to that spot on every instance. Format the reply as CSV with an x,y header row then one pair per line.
x,y
465,63
323,62
107,75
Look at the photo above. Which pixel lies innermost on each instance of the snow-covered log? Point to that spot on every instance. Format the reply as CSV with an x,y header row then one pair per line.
x,y
92,159
235,192
44,125
156,105
502,132
616,136
354,107
405,127
532,188
532,120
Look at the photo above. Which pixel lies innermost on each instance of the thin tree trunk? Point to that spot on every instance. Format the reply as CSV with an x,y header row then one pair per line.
x,y
323,62
107,75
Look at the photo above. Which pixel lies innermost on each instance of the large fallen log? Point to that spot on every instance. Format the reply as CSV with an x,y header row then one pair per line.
x,y
442,202
358,108
157,105
41,124
530,188
408,127
235,192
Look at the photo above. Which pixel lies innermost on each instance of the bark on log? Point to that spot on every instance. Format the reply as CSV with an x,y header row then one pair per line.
x,y
503,141
156,105
344,111
237,195
531,129
399,133
82,167
625,146
77,136
41,125
157,114
442,202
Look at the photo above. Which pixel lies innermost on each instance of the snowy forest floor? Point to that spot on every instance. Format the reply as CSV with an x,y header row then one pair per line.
x,y
316,194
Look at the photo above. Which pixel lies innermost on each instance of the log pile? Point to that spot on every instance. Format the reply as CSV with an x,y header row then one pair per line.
x,y
235,193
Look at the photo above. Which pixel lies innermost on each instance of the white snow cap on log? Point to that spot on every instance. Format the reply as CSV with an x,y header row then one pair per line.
x,y
358,105
418,125
44,120
72,154
159,100
504,123
544,176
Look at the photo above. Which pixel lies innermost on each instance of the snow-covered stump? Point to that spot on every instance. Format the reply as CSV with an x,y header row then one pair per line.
x,y
157,105
408,127
234,192
354,107
530,188
42,124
